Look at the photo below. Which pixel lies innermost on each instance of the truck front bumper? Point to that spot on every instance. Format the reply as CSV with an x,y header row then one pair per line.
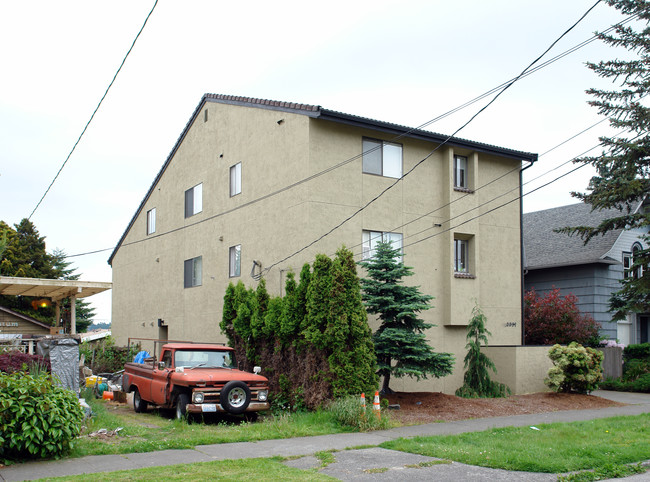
x,y
216,407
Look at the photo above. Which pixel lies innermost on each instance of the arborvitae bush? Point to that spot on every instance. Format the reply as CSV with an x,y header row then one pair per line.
x,y
37,417
576,368
313,344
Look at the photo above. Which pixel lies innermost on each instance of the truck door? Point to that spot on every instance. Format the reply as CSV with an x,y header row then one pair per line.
x,y
160,379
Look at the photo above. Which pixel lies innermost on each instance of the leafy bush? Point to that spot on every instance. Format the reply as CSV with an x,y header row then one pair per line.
x,y
556,319
476,381
37,418
16,361
640,385
105,356
636,370
576,368
349,412
639,351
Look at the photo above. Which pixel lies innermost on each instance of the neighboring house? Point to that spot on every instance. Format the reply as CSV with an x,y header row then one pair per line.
x,y
592,272
250,182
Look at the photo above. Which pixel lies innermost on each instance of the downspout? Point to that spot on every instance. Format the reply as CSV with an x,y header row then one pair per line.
x,y
521,243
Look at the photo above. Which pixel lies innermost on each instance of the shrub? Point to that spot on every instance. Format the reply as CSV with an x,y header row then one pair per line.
x,y
556,319
106,357
349,412
16,361
476,381
37,418
637,352
576,368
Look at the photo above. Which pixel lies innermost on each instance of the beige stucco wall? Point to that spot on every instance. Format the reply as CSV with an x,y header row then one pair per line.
x,y
148,270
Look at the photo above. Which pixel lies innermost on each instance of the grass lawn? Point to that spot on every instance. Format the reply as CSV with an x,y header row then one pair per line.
x,y
246,469
554,448
146,432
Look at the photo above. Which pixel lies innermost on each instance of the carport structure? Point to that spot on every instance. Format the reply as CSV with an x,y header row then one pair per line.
x,y
54,290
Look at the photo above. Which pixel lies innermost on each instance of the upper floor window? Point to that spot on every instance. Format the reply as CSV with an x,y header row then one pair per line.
x,y
629,269
371,238
194,200
463,256
382,158
235,179
235,261
151,221
193,272
460,172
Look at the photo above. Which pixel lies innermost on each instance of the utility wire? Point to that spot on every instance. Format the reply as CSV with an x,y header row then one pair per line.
x,y
94,112
358,156
266,270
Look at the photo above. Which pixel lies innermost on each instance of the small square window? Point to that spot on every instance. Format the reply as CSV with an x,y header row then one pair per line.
x,y
235,261
151,221
371,238
193,272
235,179
460,172
194,200
382,158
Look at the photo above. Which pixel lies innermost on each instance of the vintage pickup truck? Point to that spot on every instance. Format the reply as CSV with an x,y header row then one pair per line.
x,y
196,378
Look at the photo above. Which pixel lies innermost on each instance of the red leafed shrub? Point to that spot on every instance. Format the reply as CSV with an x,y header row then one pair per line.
x,y
15,361
555,319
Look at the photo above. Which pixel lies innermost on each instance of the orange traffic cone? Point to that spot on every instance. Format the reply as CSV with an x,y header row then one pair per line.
x,y
376,406
363,406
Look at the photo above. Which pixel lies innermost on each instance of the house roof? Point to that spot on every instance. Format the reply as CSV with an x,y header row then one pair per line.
x,y
54,289
24,318
325,114
545,248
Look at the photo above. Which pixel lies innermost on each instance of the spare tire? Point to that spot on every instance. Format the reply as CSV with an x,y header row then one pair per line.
x,y
235,397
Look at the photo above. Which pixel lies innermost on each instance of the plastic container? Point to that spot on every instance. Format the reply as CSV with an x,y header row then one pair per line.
x,y
107,395
93,380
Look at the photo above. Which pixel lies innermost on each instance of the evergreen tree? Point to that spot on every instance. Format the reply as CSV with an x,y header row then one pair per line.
x,y
400,344
623,169
476,381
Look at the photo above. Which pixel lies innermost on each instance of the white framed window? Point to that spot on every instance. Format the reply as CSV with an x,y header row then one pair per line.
x,y
461,255
629,270
194,200
235,179
193,272
235,261
460,172
151,221
371,238
382,158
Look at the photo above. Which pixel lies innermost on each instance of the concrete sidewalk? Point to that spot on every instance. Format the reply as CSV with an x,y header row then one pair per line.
x,y
349,464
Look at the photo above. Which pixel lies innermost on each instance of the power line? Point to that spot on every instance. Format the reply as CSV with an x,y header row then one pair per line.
x,y
94,112
503,86
266,270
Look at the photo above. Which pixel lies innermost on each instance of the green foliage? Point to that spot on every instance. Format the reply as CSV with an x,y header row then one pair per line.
x,y
105,357
314,344
400,344
349,412
623,169
636,371
576,368
37,418
607,472
476,381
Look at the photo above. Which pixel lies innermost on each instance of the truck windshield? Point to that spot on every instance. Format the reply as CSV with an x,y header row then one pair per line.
x,y
205,358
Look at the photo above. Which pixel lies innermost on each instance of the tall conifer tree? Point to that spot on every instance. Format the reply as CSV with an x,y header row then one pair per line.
x,y
400,344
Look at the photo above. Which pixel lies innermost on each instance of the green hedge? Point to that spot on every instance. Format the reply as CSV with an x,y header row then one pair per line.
x,y
37,418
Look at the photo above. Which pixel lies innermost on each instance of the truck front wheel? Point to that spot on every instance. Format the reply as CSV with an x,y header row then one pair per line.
x,y
181,405
139,405
235,397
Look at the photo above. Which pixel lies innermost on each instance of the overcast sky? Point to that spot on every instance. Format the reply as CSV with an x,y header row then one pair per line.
x,y
404,62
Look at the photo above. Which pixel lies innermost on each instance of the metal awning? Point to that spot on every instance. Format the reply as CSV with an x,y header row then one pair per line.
x,y
55,289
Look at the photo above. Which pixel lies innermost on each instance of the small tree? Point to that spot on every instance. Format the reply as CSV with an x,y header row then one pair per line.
x,y
476,381
400,344
556,319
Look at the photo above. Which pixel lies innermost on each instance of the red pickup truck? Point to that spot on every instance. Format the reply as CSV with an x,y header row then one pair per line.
x,y
196,378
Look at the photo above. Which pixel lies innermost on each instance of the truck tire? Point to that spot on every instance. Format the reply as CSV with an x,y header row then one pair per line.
x,y
235,397
139,405
181,405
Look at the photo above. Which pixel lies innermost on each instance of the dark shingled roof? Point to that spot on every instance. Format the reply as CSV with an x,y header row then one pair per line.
x,y
545,248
